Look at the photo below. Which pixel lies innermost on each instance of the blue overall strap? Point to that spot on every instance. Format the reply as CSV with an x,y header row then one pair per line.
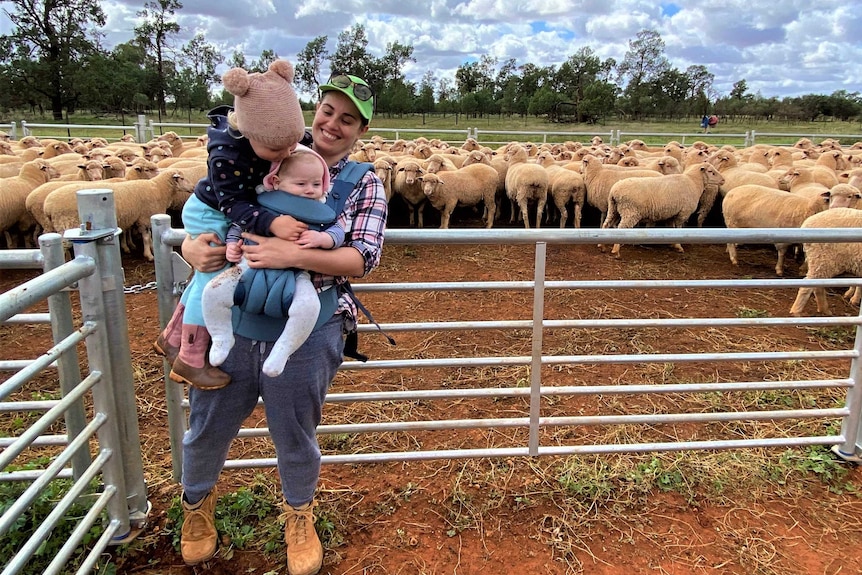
x,y
348,177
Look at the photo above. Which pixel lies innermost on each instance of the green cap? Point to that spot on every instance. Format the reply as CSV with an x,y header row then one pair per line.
x,y
350,85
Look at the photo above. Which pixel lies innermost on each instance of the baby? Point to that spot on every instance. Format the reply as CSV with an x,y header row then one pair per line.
x,y
296,186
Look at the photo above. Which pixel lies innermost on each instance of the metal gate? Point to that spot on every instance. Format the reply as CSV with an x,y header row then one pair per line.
x,y
87,440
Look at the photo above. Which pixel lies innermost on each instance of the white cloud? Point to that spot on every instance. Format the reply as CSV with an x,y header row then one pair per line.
x,y
784,47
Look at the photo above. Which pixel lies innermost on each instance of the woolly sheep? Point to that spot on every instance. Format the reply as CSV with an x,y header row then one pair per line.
x,y
735,175
599,179
407,185
525,183
761,207
465,187
671,198
383,168
565,185
13,209
827,260
439,163
135,202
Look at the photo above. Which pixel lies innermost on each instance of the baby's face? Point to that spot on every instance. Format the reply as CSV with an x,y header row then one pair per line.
x,y
303,178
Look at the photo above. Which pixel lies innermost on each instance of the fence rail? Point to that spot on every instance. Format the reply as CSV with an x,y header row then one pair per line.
x,y
145,129
848,443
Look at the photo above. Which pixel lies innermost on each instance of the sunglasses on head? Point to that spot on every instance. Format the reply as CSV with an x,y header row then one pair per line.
x,y
361,91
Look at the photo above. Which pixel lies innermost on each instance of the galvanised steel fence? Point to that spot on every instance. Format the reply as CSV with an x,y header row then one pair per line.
x,y
171,275
89,435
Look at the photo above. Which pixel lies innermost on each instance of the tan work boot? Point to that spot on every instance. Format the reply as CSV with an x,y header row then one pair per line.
x,y
304,551
198,537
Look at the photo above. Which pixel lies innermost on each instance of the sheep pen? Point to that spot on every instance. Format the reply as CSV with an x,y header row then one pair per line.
x,y
750,511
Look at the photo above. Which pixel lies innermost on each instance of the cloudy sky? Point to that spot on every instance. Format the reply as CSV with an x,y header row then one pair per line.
x,y
780,47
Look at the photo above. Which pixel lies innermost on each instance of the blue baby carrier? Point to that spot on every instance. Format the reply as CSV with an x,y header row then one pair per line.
x,y
263,296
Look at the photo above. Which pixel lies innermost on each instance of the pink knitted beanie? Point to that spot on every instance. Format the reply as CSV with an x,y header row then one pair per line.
x,y
267,108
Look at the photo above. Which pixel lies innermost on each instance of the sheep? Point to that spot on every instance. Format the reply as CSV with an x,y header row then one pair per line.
x,y
366,153
827,260
735,175
89,171
599,179
439,163
673,198
135,203
525,182
802,181
112,168
564,185
761,207
13,209
383,168
466,187
407,185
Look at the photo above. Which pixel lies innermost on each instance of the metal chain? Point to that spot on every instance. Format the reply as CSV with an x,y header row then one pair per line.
x,y
138,288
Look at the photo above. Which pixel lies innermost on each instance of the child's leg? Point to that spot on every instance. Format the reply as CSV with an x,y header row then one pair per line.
x,y
191,365
216,304
168,342
302,315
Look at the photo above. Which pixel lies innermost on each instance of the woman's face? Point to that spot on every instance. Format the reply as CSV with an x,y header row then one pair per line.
x,y
336,126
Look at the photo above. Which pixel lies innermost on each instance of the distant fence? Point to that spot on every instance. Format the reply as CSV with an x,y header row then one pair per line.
x,y
146,129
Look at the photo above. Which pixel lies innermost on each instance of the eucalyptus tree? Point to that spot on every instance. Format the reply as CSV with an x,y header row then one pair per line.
x,y
48,42
351,53
308,63
425,97
157,34
642,65
197,73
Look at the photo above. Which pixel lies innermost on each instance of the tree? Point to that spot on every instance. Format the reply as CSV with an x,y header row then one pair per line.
x,y
396,56
308,63
49,41
155,34
191,88
644,62
351,53
267,57
425,98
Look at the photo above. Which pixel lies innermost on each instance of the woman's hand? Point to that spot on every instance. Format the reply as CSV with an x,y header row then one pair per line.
x,y
206,253
274,253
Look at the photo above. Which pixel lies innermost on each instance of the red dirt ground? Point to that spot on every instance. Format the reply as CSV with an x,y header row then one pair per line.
x,y
398,518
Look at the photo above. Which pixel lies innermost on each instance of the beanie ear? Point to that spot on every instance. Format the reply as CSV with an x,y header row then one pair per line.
x,y
236,81
283,68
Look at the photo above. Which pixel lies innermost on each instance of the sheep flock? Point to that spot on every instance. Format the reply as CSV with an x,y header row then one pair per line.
x,y
520,183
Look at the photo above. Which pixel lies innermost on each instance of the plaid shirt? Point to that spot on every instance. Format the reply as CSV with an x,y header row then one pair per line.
x,y
363,220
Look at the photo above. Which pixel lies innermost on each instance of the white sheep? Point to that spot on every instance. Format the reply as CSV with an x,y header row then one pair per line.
x,y
463,187
525,183
565,185
383,168
761,207
13,209
135,202
599,179
407,185
671,198
827,260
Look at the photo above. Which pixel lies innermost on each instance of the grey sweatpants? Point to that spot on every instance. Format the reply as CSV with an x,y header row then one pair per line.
x,y
293,402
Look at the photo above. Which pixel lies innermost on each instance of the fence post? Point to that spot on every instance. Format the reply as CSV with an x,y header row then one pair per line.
x,y
68,370
24,130
96,210
14,131
170,270
141,129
